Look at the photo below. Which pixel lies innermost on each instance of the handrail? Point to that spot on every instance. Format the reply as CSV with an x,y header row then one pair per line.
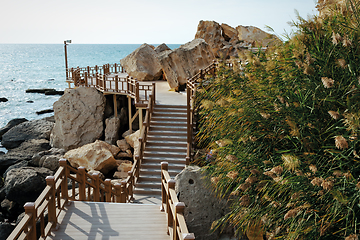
x,y
110,78
191,86
56,194
174,209
133,174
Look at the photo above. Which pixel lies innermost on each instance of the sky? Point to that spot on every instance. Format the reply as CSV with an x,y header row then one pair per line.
x,y
137,21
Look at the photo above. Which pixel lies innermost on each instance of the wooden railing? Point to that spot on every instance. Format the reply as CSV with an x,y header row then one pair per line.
x,y
57,194
174,209
110,78
133,175
191,86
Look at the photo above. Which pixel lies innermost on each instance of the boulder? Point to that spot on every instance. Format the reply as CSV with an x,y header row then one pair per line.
x,y
48,158
185,61
10,209
162,47
211,32
78,118
10,124
24,152
202,206
5,230
123,145
133,138
256,36
112,130
36,129
94,156
25,184
142,64
228,32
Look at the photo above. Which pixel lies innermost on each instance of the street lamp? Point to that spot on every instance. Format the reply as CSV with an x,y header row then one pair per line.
x,y
66,62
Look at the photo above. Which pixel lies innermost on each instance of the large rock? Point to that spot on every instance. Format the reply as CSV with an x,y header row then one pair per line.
x,y
12,123
185,61
142,64
5,230
211,32
94,156
36,129
162,47
79,118
24,152
202,206
256,36
228,32
112,130
25,184
48,159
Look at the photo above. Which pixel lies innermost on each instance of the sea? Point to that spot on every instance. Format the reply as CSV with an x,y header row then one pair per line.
x,y
29,66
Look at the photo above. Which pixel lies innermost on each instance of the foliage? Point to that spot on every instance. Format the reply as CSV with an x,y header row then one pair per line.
x,y
284,134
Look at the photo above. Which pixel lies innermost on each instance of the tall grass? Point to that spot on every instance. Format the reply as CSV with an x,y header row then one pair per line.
x,y
284,133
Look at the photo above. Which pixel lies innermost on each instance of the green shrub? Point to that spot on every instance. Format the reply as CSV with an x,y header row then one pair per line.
x,y
284,134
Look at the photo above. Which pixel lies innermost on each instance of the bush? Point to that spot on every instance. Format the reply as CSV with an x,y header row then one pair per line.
x,y
284,133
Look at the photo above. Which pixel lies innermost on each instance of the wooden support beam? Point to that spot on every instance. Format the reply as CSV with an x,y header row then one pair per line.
x,y
129,107
115,106
140,118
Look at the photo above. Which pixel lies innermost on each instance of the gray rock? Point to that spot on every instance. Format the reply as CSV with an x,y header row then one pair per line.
x,y
17,165
202,206
24,152
36,129
48,159
11,209
5,230
10,124
112,130
162,47
25,184
79,117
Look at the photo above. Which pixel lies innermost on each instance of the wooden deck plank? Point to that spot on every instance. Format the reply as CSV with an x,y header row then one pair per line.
x,y
93,220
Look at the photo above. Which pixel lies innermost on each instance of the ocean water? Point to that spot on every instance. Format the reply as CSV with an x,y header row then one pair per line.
x,y
25,66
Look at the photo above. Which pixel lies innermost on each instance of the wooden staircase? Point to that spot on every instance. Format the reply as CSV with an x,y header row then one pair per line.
x,y
166,141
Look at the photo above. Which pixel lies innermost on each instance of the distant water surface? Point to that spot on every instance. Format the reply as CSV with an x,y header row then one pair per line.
x,y
24,66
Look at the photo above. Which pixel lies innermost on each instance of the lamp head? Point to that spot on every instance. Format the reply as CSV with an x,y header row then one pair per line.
x,y
67,41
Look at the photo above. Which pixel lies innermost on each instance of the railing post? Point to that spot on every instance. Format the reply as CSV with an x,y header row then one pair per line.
x,y
131,185
97,187
118,194
107,190
179,209
153,97
116,83
137,95
30,210
64,184
82,185
170,214
50,181
164,167
137,171
188,236
123,192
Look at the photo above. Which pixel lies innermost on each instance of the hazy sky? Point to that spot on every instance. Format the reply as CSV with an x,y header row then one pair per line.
x,y
137,21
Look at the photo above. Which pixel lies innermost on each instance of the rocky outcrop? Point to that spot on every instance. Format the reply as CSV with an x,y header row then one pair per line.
x,y
48,159
24,152
112,130
133,141
185,61
226,41
162,47
94,156
211,32
12,123
142,64
25,184
124,166
36,129
202,206
78,118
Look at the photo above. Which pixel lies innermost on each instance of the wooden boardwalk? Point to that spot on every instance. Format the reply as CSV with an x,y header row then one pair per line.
x,y
107,221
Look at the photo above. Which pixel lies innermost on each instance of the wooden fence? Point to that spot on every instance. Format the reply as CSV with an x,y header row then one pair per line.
x,y
191,86
59,190
110,78
174,209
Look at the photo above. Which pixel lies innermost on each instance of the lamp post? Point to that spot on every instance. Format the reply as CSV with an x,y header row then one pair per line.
x,y
66,62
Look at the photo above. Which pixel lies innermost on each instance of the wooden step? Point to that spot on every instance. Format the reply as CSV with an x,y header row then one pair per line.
x,y
174,110
147,191
182,139
166,143
169,160
168,123
168,128
148,184
166,148
164,155
169,114
167,133
171,166
170,106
